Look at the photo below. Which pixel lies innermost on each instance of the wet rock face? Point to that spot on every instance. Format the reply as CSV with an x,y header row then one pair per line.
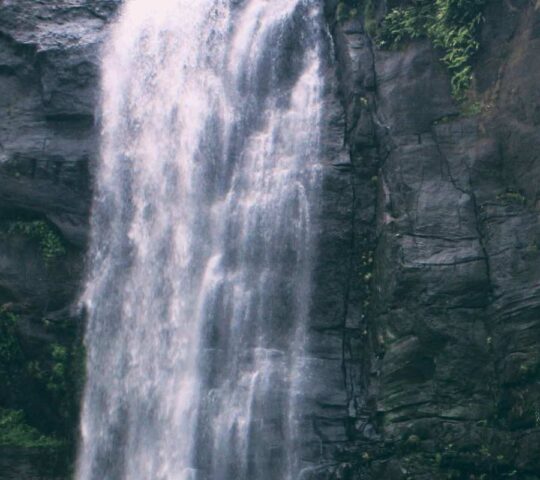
x,y
49,60
427,289
49,57
27,464
451,383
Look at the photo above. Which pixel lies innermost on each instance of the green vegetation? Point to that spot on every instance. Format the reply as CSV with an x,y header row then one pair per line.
x,y
472,109
512,196
345,12
9,346
445,119
405,23
42,374
370,20
451,25
60,372
40,378
54,375
50,242
413,440
342,12
11,356
15,432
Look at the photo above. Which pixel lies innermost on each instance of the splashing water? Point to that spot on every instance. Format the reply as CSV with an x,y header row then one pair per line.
x,y
202,241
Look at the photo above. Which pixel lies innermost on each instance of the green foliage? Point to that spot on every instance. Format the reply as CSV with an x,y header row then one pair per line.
x,y
342,12
413,440
370,21
50,243
512,196
57,381
471,109
345,12
445,119
61,374
15,432
50,374
53,373
451,25
9,346
11,356
403,24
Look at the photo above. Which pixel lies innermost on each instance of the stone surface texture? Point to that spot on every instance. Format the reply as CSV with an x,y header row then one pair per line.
x,y
427,292
442,358
49,74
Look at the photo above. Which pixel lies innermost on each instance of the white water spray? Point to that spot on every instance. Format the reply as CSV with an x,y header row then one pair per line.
x,y
202,241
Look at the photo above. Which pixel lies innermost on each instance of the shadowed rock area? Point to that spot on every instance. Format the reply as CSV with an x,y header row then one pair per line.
x,y
451,380
426,311
49,61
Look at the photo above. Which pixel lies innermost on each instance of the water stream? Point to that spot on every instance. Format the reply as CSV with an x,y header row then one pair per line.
x,y
203,235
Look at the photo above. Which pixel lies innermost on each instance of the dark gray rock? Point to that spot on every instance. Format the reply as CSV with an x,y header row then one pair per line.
x,y
451,380
49,79
49,74
426,312
30,464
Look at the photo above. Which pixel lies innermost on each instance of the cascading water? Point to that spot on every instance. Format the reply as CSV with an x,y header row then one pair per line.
x,y
199,287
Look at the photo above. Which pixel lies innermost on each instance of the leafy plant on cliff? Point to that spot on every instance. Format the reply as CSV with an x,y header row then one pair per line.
x,y
370,20
451,25
61,373
512,196
10,350
15,432
46,374
50,242
345,12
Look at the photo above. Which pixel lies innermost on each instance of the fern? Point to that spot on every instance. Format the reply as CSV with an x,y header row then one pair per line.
x,y
50,242
451,25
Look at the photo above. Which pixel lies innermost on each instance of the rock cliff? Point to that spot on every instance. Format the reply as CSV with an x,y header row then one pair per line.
x,y
427,305
49,66
450,383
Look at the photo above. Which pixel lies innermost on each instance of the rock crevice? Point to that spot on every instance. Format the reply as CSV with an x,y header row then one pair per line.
x,y
427,287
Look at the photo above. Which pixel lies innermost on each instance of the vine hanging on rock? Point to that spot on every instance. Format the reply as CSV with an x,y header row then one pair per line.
x,y
451,25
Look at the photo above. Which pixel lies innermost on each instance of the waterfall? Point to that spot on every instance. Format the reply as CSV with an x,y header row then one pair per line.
x,y
203,234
